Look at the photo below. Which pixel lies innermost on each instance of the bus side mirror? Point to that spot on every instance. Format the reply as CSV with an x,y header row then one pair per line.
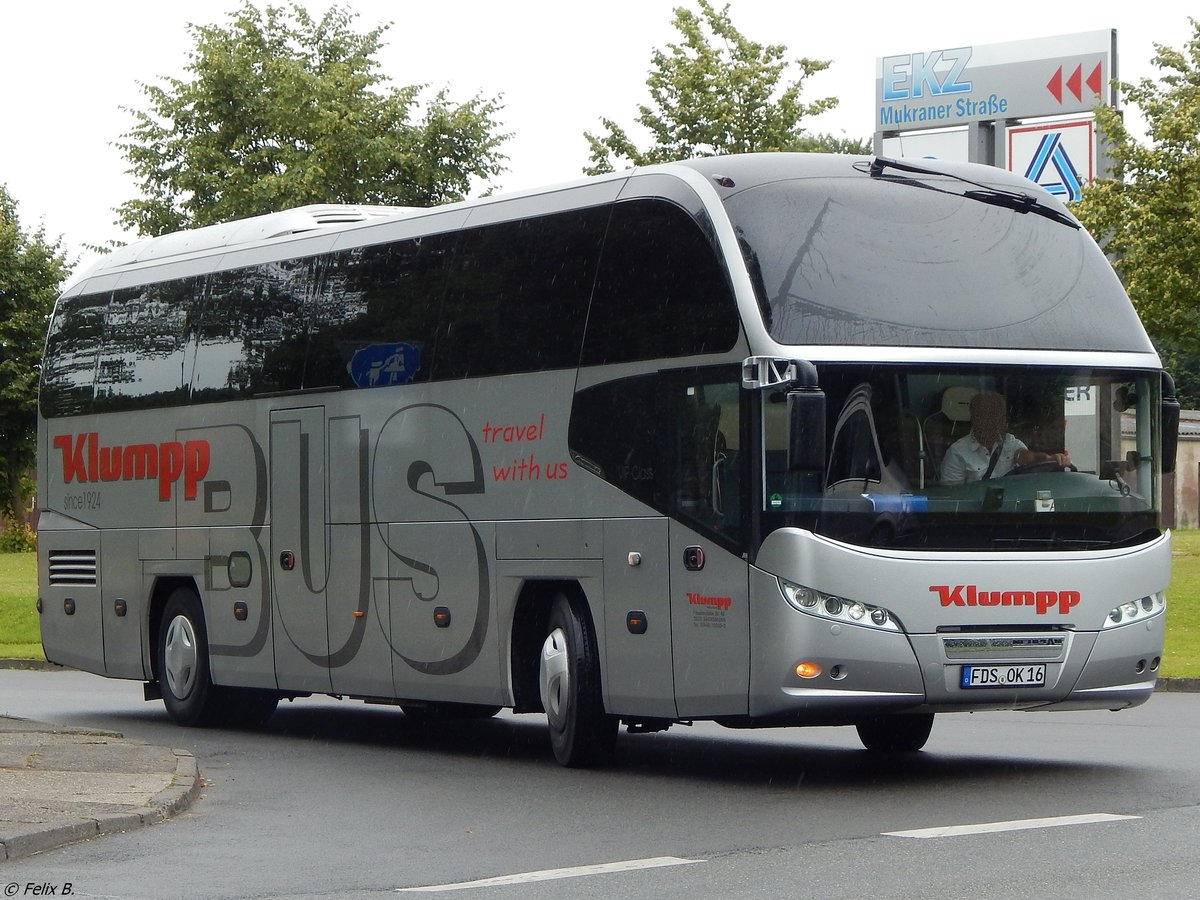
x,y
1170,424
806,430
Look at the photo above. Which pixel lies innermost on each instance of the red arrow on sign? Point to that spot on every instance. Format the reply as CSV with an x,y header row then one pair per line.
x,y
1054,85
1074,83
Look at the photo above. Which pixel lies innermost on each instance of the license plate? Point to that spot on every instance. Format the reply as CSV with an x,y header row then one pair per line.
x,y
1003,676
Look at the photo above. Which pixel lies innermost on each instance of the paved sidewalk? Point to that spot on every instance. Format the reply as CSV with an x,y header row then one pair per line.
x,y
59,785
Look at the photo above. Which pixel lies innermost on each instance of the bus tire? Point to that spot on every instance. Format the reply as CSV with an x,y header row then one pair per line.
x,y
581,733
896,733
183,672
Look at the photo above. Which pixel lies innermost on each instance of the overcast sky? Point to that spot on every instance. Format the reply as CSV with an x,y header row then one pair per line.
x,y
68,68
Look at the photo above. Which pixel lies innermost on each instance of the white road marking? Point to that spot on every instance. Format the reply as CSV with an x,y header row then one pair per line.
x,y
628,865
1017,825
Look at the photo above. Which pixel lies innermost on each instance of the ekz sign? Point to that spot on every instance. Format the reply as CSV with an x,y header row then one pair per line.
x,y
1020,79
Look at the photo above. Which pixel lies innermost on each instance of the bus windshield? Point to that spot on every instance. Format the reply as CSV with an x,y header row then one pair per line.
x,y
973,457
858,261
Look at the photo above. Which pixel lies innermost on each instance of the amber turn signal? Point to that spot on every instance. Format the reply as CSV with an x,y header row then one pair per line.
x,y
808,669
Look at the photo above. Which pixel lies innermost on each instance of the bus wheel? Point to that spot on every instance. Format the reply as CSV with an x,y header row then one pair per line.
x,y
895,734
183,675
569,678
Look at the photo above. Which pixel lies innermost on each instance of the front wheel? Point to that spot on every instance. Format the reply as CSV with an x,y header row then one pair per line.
x,y
895,734
581,733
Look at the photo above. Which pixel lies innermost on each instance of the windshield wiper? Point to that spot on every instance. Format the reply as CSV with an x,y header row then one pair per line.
x,y
1017,201
1022,203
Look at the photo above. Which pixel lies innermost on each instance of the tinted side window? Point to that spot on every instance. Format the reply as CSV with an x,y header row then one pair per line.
x,y
661,290
376,312
72,342
673,440
142,360
518,295
253,332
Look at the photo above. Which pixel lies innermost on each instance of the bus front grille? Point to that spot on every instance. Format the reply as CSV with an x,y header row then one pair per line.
x,y
1006,647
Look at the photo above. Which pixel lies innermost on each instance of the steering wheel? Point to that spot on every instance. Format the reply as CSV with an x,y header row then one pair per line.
x,y
1042,465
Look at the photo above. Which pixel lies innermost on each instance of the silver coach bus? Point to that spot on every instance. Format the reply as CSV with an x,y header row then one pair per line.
x,y
685,442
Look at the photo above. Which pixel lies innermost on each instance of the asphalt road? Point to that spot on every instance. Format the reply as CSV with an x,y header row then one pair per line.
x,y
338,799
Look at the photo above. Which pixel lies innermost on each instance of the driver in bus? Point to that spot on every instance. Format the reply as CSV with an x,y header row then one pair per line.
x,y
989,450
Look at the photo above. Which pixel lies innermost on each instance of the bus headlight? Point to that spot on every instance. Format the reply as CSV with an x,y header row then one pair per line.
x,y
1136,610
838,609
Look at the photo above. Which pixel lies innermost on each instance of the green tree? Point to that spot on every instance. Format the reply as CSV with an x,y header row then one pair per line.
x,y
718,92
279,109
1147,214
31,270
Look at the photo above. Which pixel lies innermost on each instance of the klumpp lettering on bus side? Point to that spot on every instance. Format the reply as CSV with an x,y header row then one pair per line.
x,y
721,603
85,461
970,595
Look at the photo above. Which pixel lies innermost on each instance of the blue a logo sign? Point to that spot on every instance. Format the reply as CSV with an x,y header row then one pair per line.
x,y
1059,157
380,365
1050,152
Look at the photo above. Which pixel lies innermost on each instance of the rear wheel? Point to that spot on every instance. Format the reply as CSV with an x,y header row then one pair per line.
x,y
581,733
895,734
183,674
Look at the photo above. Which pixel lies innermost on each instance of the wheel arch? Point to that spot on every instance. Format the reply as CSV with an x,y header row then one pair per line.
x,y
530,618
162,588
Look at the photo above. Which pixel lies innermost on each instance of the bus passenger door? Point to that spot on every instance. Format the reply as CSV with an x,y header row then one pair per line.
x,y
298,556
639,680
710,617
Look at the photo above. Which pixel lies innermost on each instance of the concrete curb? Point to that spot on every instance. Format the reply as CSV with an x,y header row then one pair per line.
x,y
39,665
178,796
1178,684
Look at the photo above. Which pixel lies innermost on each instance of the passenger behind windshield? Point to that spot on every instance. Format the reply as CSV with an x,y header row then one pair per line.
x,y
989,450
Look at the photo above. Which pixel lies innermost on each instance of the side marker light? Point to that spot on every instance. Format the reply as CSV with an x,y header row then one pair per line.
x,y
808,669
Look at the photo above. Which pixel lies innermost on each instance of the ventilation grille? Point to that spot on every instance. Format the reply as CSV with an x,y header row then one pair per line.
x,y
73,567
